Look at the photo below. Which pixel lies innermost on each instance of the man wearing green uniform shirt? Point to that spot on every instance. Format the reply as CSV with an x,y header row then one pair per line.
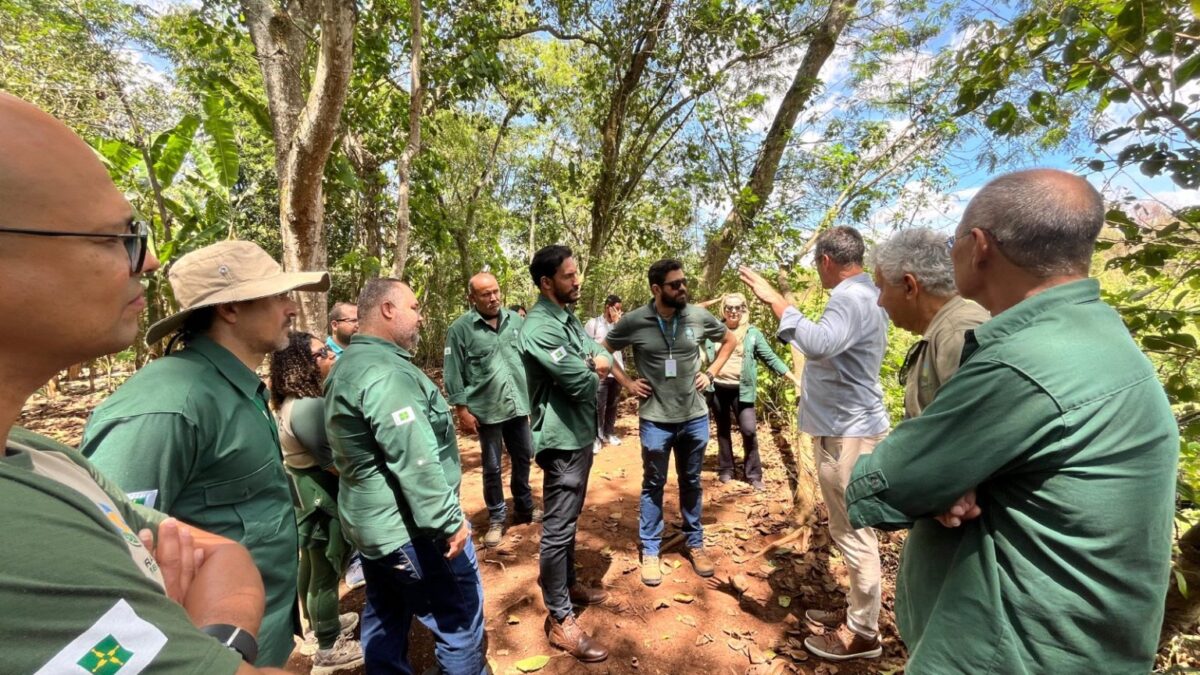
x,y
485,381
91,581
564,367
397,458
1058,475
666,337
190,434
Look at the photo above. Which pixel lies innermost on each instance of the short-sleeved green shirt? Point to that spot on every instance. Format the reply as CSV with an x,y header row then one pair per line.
x,y
562,389
394,447
1062,428
483,368
190,435
654,340
73,596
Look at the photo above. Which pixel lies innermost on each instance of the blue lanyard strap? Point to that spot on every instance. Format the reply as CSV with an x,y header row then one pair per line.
x,y
662,327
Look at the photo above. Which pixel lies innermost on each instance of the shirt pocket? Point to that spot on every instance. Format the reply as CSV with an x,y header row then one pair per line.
x,y
439,419
480,364
251,504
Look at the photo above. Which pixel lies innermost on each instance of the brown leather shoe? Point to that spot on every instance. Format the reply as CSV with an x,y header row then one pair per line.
x,y
843,644
571,637
586,595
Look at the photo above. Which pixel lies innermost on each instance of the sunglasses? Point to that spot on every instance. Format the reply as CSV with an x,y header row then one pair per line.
x,y
735,309
135,241
675,285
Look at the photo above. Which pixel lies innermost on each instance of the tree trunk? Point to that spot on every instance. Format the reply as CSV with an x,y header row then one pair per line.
x,y
1183,610
761,183
416,96
367,169
612,132
304,125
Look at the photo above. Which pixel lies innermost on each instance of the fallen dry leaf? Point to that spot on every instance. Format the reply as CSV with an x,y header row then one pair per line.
x,y
684,598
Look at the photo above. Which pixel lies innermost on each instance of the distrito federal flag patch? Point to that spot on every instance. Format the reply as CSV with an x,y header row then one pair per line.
x,y
558,354
403,416
119,643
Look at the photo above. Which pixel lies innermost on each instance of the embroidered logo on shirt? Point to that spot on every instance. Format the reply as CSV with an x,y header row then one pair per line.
x,y
691,335
403,416
446,352
119,523
119,643
145,497
558,354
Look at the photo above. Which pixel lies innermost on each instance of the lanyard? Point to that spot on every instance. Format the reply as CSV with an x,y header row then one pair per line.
x,y
662,327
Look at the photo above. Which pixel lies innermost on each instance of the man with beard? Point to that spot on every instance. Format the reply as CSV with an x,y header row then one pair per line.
x,y
191,435
666,339
343,324
485,380
564,367
397,458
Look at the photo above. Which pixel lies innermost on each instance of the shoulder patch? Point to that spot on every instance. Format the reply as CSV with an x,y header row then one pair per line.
x,y
119,643
446,352
145,497
403,416
558,354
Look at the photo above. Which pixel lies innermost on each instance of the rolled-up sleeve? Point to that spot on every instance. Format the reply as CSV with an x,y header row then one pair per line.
x,y
982,424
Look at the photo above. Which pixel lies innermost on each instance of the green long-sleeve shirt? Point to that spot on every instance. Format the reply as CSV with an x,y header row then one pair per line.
x,y
190,435
562,389
754,346
394,448
1060,425
483,368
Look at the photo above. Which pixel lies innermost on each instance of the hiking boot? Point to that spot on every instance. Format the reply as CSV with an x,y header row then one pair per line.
x,y
494,536
651,572
843,644
826,618
346,624
585,595
725,478
344,654
354,573
701,562
534,516
571,637
758,486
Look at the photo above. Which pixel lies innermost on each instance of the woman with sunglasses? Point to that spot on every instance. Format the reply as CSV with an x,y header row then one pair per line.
x,y
735,389
297,374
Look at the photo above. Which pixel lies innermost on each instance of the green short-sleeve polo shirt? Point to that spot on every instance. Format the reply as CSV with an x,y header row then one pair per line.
x,y
655,340
191,436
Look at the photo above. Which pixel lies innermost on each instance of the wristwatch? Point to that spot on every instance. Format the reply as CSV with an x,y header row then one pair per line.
x,y
236,639
591,364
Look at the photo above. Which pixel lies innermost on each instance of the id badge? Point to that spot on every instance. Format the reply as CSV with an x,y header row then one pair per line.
x,y
671,367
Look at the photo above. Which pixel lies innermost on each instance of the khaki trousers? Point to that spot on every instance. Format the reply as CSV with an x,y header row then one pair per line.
x,y
835,457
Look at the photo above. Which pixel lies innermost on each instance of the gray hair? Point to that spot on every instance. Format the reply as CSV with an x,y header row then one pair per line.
x,y
374,293
844,246
1044,220
920,252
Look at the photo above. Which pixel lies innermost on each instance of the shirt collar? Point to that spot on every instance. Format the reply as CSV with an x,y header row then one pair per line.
x,y
943,314
654,311
482,319
555,310
1023,313
861,277
360,339
241,377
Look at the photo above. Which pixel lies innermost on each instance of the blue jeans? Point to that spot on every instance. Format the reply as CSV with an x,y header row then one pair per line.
x,y
445,595
513,434
688,440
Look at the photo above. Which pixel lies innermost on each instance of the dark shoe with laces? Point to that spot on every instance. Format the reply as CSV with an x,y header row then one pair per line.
x,y
585,595
571,637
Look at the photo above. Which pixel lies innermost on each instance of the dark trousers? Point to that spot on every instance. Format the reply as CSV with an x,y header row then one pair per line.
x,y
564,485
513,434
606,408
725,406
416,580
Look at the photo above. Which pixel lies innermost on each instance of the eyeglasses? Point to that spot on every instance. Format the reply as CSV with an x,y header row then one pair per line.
x,y
135,241
675,285
323,353
347,320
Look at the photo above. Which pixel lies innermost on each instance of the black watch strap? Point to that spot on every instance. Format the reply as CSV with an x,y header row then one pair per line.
x,y
236,639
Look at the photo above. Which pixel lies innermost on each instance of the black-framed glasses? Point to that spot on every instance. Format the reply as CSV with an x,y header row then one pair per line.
x,y
675,285
135,240
322,353
355,320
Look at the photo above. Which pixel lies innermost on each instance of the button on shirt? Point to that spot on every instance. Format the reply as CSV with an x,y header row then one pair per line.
x,y
1062,428
190,435
389,426
483,368
562,389
655,339
841,395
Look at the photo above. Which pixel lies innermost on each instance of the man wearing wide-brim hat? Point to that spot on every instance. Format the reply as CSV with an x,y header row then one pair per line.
x,y
190,434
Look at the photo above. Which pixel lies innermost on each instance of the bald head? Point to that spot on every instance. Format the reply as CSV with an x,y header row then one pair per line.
x,y
49,176
484,293
1044,221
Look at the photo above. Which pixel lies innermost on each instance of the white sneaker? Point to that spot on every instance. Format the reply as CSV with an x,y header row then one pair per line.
x,y
596,446
354,573
344,654
613,439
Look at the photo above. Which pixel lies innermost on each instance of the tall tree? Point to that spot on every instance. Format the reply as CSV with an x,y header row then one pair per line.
x,y
304,119
416,93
